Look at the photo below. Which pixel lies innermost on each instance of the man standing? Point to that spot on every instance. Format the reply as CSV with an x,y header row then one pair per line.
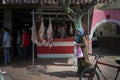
x,y
25,45
19,48
6,44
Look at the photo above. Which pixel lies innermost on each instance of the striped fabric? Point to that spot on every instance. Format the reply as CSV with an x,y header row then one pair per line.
x,y
49,1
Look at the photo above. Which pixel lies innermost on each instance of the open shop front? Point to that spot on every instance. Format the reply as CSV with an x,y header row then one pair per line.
x,y
62,37
63,31
62,27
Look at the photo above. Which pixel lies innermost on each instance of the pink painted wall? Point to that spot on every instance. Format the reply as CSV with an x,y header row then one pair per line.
x,y
99,15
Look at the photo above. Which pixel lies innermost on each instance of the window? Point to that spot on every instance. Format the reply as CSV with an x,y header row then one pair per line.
x,y
117,29
101,33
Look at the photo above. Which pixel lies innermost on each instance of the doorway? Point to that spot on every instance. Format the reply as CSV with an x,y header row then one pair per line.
x,y
107,38
22,19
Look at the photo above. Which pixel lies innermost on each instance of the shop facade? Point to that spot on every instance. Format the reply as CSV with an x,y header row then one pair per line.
x,y
17,14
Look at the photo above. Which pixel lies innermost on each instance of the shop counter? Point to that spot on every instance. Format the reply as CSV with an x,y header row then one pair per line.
x,y
61,48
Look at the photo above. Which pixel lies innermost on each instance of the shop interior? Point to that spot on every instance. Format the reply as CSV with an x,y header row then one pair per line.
x,y
63,27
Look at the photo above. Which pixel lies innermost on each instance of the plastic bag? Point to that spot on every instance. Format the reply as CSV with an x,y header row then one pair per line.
x,y
79,53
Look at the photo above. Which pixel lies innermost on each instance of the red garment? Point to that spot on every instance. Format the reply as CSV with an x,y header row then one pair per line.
x,y
25,39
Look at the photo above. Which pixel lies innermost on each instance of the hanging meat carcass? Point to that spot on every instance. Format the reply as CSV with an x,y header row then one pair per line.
x,y
34,35
71,30
42,32
50,34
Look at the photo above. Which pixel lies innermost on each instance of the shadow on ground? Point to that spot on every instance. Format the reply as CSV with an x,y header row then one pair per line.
x,y
42,61
106,51
62,74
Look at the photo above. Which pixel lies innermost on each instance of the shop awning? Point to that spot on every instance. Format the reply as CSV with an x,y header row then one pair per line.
x,y
50,1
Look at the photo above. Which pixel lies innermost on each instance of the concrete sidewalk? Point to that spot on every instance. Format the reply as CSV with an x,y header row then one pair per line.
x,y
45,69
55,69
